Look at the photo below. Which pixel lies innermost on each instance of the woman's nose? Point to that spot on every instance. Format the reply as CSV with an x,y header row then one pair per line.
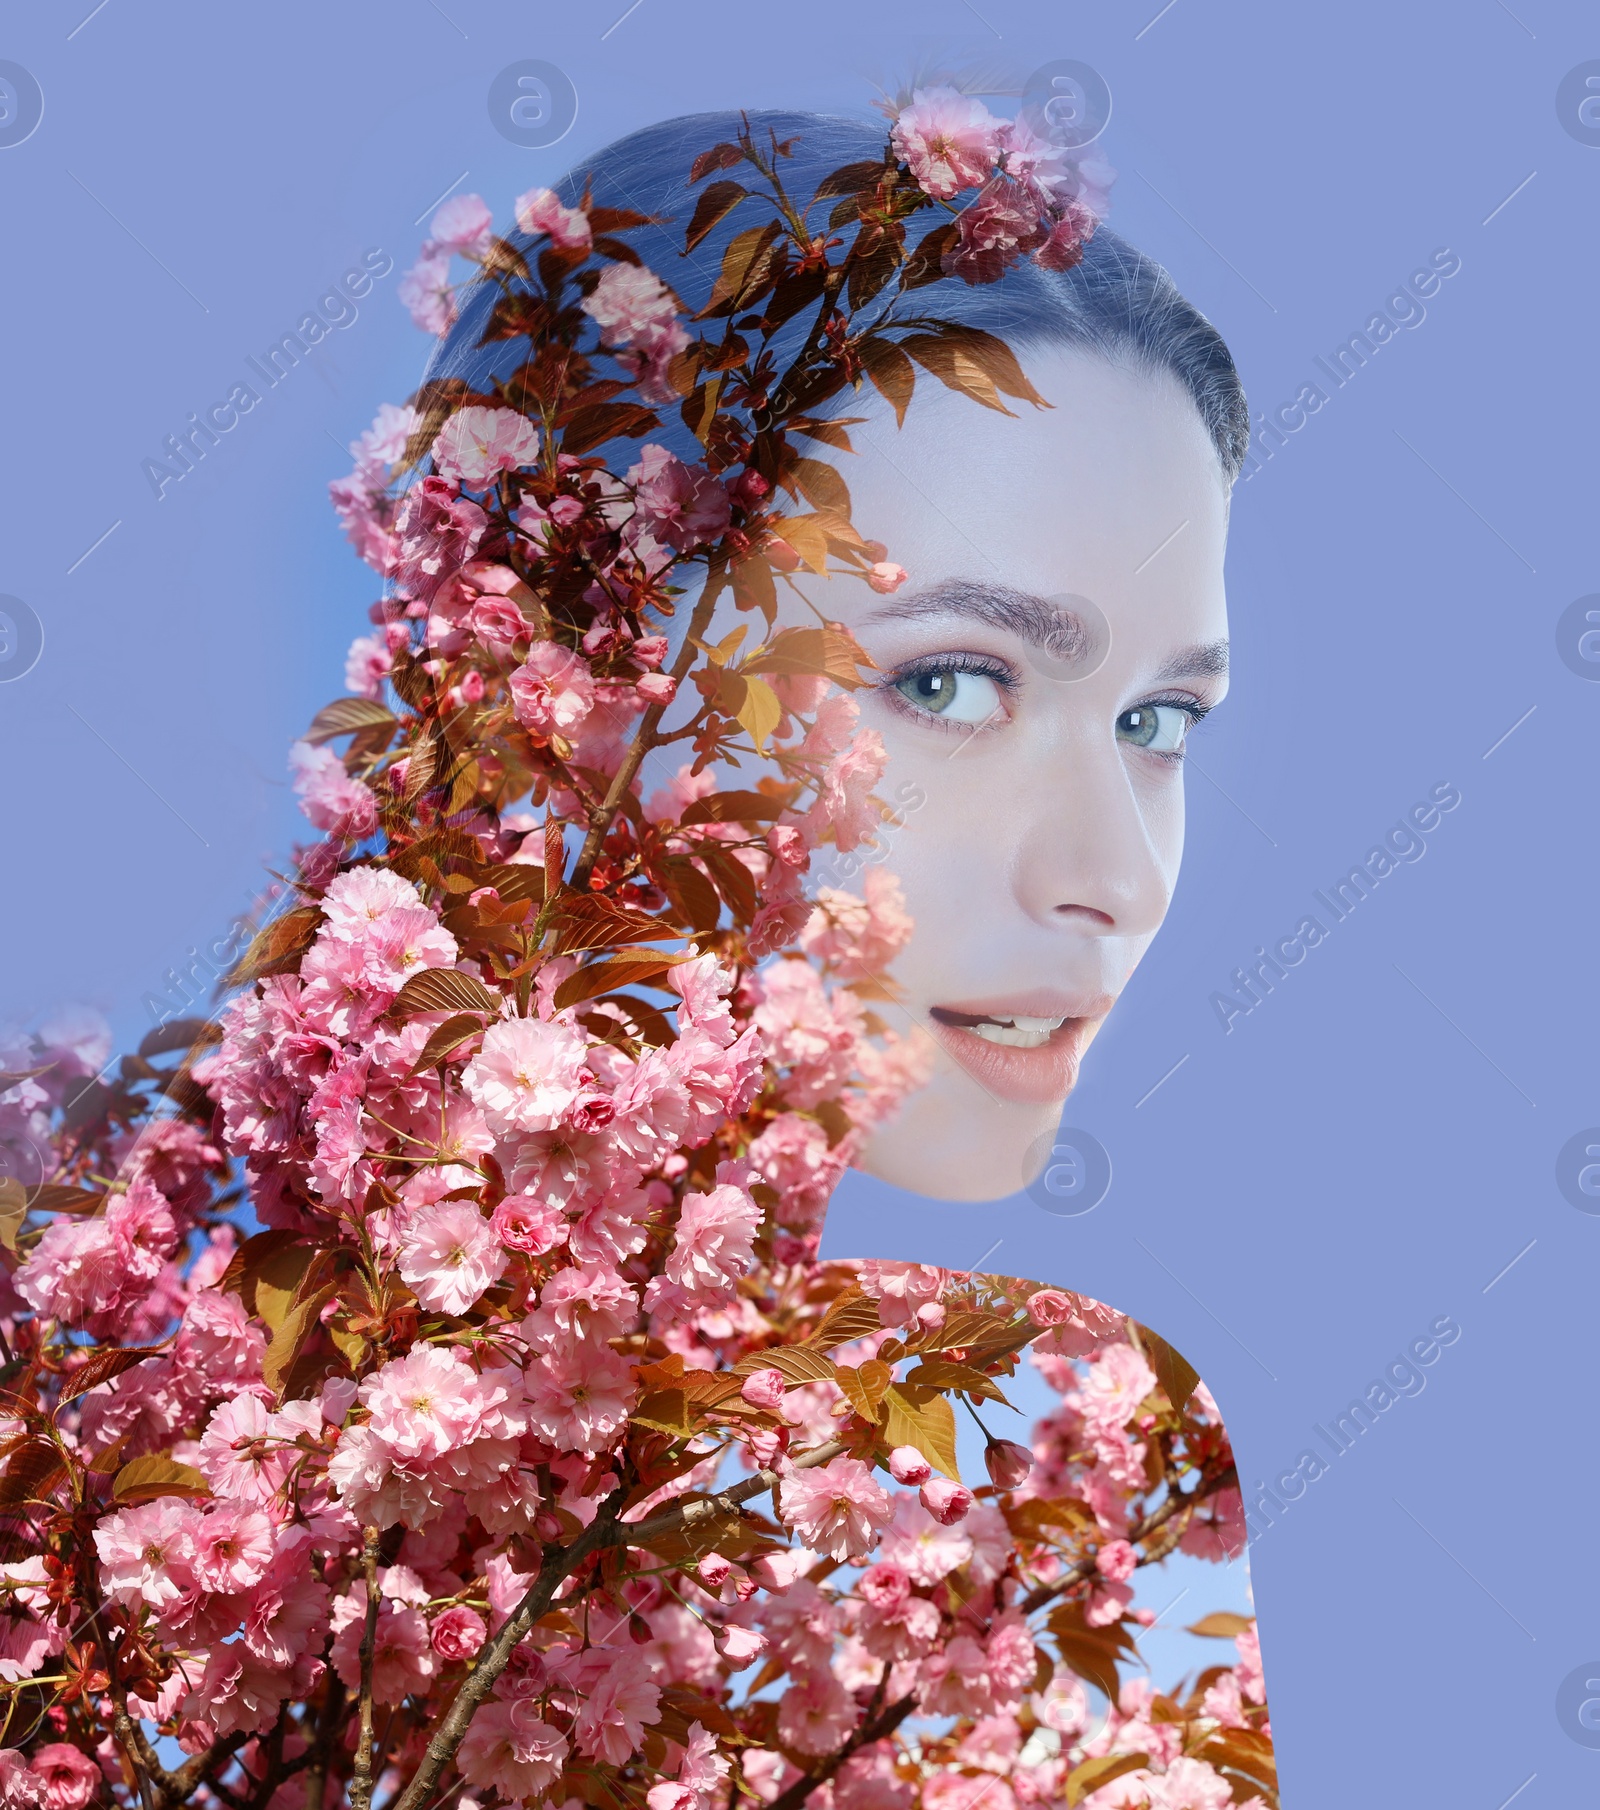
x,y
1088,859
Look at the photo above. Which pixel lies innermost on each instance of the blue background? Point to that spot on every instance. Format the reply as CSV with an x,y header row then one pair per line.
x,y
1373,1144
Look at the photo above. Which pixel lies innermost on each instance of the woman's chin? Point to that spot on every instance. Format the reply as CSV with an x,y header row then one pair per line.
x,y
942,1145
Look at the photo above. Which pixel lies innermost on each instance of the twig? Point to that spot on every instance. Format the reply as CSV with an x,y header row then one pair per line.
x,y
560,1563
361,1772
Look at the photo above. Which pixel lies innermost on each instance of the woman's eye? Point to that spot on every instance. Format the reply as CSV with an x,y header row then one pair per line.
x,y
957,697
1160,728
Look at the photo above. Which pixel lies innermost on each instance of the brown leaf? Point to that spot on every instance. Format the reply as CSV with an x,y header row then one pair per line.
x,y
13,1210
141,1479
744,272
277,946
714,204
1176,1375
850,179
449,1037
58,1197
956,368
853,1315
821,485
1221,1624
941,1373
1092,1774
666,1411
924,264
587,428
590,921
809,538
345,715
444,990
733,807
753,585
893,375
720,157
103,1366
31,1468
180,1034
865,1384
297,1327
925,1419
629,969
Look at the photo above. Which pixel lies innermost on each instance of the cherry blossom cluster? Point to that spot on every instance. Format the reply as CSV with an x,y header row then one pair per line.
x,y
420,1379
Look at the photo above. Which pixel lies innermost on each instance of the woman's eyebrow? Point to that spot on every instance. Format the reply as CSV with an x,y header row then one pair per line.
x,y
1209,661
1046,624
1052,626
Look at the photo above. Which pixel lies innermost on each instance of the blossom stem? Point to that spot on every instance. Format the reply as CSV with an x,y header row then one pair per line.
x,y
558,1565
361,1772
644,739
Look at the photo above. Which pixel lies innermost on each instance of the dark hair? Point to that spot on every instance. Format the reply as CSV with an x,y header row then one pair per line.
x,y
1116,303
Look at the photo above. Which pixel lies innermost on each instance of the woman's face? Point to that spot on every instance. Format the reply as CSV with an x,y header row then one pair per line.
x,y
1062,627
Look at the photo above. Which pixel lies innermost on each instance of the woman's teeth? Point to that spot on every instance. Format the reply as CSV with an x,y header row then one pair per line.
x,y
1018,1032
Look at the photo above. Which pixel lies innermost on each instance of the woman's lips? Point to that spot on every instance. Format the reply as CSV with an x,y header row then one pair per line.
x,y
1040,1066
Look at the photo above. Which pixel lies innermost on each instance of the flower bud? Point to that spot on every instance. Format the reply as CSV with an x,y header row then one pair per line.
x,y
947,1502
657,687
740,1645
713,1570
764,1389
1008,1463
907,1465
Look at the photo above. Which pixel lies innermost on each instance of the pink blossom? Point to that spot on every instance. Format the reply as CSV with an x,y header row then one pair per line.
x,y
523,1222
629,304
657,688
425,292
230,1547
701,1770
366,666
437,531
858,938
329,796
1007,1463
463,224
838,1508
403,1659
476,444
1116,1560
527,1075
552,691
458,1632
907,1465
1118,1381
1049,1306
947,1502
712,1247
450,1256
21,1788
146,1552
949,141
1004,220
682,505
885,576
70,1778
541,211
816,1714
611,1721
509,1750
579,1395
